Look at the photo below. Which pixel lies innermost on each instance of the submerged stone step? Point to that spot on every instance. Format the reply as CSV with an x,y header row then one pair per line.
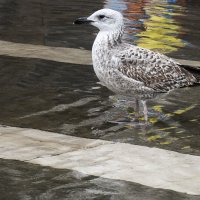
x,y
152,167
59,54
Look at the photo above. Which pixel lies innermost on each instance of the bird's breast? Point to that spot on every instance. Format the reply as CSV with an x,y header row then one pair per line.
x,y
101,61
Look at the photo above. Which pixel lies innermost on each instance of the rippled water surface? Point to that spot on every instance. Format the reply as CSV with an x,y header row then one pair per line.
x,y
66,98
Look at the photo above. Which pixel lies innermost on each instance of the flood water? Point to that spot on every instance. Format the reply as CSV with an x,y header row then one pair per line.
x,y
66,98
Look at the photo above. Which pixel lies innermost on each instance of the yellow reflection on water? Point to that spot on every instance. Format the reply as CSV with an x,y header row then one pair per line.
x,y
153,23
161,32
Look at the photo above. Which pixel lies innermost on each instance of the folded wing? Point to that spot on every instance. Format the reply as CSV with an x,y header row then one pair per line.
x,y
154,70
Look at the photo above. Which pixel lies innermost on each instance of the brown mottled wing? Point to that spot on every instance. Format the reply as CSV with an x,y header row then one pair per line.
x,y
154,70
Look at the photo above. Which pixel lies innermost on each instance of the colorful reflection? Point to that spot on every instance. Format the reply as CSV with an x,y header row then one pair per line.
x,y
152,24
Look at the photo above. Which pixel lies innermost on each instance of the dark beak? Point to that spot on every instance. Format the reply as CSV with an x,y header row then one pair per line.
x,y
82,20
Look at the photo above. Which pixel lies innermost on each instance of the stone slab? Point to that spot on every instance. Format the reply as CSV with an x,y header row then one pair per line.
x,y
152,167
59,54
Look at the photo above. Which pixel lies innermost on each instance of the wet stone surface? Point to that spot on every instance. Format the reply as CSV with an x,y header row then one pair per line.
x,y
28,181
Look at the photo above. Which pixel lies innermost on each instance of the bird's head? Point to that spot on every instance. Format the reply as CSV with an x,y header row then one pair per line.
x,y
104,20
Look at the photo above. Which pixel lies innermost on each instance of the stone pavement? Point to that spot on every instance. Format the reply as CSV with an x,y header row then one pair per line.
x,y
152,167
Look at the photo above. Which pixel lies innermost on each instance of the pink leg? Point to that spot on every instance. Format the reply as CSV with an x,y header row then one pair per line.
x,y
145,111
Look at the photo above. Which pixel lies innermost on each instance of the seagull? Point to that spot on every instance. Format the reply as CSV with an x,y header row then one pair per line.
x,y
130,70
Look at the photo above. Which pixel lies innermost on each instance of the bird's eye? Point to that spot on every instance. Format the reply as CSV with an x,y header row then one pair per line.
x,y
101,16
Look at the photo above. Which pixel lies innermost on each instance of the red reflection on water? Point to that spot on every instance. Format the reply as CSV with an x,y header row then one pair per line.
x,y
135,12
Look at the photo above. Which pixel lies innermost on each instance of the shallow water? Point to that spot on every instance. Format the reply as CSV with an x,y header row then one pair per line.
x,y
66,98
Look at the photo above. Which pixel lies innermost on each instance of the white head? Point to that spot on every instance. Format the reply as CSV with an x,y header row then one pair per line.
x,y
104,20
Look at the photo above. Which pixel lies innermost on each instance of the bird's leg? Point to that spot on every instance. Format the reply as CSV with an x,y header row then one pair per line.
x,y
137,106
145,111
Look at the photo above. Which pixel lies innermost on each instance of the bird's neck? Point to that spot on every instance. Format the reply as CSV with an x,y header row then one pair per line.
x,y
109,39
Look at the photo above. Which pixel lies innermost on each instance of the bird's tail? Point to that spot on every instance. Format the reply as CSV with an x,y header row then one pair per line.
x,y
195,71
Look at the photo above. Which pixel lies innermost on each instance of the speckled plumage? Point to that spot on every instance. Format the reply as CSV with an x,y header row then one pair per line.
x,y
130,70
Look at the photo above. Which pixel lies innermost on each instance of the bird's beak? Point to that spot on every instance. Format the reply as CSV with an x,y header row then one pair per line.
x,y
83,20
